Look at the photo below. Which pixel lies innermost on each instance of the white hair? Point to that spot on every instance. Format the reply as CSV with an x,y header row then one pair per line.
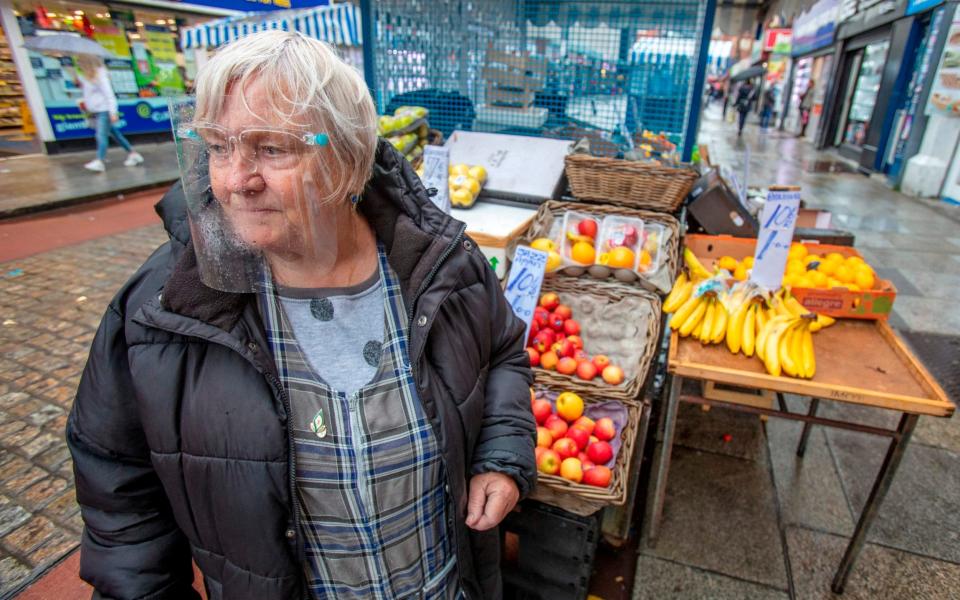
x,y
309,86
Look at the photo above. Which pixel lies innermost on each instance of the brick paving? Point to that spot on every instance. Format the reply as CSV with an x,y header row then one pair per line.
x,y
50,306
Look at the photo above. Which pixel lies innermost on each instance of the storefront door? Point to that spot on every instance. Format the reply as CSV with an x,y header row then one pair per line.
x,y
863,87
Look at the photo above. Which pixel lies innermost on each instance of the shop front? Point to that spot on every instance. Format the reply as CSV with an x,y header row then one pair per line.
x,y
813,61
149,63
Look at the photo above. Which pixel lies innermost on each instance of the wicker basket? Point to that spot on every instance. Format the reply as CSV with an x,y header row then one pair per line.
x,y
628,183
659,281
608,314
587,499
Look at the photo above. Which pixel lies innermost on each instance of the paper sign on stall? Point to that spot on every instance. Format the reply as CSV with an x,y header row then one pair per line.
x,y
777,222
436,168
524,281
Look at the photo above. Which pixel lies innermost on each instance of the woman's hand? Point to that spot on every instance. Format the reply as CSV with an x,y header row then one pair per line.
x,y
492,496
114,117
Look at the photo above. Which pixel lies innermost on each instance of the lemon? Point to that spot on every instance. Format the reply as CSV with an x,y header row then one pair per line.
x,y
844,274
544,244
853,287
789,280
828,267
863,278
471,184
553,260
803,281
460,197
797,250
854,261
728,262
459,169
795,267
747,262
835,256
740,273
811,258
478,173
817,278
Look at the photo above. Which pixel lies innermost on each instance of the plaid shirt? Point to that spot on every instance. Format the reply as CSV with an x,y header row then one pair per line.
x,y
370,478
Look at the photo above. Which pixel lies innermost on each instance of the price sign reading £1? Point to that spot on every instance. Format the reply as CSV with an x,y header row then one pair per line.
x,y
523,283
777,222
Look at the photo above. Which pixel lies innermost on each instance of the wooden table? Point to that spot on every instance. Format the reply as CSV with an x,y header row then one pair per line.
x,y
859,362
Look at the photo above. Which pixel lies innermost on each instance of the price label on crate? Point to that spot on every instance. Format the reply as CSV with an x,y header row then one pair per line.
x,y
524,281
436,168
777,222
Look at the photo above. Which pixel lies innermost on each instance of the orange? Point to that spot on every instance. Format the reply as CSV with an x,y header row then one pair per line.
x,y
583,253
645,260
621,257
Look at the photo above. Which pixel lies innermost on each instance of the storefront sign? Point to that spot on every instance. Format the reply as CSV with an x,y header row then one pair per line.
x,y
918,6
945,94
148,115
814,28
523,283
258,5
111,37
777,222
777,40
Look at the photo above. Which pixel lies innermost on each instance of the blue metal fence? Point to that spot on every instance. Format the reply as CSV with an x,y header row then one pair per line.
x,y
605,69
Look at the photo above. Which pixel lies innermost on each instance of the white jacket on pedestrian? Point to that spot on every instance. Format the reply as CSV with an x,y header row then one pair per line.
x,y
98,94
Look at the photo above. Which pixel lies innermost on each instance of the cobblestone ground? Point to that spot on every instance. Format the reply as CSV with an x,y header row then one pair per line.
x,y
50,306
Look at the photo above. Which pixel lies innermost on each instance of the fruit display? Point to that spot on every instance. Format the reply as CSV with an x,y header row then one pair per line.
x,y
555,344
465,183
406,130
808,270
571,443
654,148
775,327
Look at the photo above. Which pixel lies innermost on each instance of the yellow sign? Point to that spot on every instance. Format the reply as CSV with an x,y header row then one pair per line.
x,y
161,46
111,37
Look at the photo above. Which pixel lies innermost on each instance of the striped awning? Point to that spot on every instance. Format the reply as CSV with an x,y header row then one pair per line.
x,y
338,25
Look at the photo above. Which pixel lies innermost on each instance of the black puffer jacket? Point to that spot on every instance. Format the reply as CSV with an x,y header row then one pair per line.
x,y
179,434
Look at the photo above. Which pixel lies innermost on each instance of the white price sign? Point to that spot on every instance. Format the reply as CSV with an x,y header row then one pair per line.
x,y
436,167
524,281
777,222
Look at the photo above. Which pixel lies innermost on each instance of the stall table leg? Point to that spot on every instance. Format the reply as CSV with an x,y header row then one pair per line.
x,y
662,458
880,487
805,435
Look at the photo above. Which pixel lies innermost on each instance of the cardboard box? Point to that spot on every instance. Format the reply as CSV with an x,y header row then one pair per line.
x,y
866,304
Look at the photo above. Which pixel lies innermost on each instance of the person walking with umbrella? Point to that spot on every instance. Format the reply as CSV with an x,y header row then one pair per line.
x,y
100,101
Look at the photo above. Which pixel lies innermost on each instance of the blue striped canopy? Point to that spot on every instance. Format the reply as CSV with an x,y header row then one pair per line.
x,y
338,25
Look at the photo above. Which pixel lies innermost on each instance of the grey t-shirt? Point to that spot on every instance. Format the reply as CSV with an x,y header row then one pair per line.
x,y
339,330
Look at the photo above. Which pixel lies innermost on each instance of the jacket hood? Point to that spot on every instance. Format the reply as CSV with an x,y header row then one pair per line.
x,y
412,229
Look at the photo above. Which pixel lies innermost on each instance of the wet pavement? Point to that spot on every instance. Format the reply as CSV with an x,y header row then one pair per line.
x,y
39,182
746,518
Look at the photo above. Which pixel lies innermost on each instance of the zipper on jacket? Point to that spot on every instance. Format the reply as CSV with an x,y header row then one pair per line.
x,y
433,272
292,462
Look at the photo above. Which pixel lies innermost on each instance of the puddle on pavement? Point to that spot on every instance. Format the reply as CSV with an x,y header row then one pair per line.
x,y
828,166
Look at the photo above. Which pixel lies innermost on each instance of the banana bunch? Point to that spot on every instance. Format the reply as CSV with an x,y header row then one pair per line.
x,y
785,345
704,317
696,268
749,318
786,304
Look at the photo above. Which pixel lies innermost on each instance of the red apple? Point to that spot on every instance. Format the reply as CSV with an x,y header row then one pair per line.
x,y
542,409
556,322
576,340
598,476
567,366
600,453
564,311
579,436
601,362
541,316
565,448
613,375
543,340
544,437
586,371
585,423
571,327
534,330
630,236
534,357
582,456
588,227
548,360
550,301
605,429
549,462
557,426
538,452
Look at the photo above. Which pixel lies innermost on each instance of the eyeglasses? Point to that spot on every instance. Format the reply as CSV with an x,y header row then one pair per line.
x,y
266,146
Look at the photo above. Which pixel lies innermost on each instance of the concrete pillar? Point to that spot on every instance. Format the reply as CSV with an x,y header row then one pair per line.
x,y
31,91
927,169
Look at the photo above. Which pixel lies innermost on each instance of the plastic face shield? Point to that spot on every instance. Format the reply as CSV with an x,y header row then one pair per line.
x,y
257,195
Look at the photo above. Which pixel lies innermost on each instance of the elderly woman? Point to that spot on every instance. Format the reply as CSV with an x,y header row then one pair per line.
x,y
315,389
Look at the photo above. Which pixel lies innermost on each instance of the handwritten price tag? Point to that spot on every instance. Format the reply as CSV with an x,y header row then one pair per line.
x,y
524,281
436,166
777,222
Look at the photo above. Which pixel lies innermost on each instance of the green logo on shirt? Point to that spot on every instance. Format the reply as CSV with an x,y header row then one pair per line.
x,y
318,426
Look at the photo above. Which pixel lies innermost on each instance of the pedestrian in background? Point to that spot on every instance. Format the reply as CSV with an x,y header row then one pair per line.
x,y
315,388
101,103
806,106
745,98
766,107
